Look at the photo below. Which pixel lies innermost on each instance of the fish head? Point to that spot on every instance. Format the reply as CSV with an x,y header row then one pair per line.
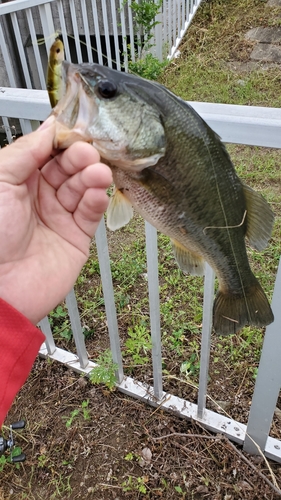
x,y
57,52
110,110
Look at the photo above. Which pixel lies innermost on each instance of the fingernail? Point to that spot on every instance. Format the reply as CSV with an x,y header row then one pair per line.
x,y
50,120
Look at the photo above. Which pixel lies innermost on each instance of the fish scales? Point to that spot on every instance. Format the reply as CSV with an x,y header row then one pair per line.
x,y
172,168
198,195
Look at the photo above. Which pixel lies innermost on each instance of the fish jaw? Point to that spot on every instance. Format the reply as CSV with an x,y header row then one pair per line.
x,y
132,139
73,112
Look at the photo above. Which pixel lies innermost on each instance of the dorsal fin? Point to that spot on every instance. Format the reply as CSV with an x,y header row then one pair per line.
x,y
260,219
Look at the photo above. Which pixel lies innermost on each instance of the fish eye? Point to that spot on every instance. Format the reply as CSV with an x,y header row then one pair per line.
x,y
107,89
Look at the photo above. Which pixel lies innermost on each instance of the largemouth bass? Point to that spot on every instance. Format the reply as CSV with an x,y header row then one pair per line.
x,y
54,72
172,168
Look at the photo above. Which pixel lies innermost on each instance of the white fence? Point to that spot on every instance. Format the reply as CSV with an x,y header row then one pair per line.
x,y
102,31
237,124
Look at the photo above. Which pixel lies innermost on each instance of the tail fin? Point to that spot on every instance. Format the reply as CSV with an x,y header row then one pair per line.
x,y
233,311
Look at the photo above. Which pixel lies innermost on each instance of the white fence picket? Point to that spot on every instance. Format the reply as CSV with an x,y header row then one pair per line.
x,y
21,50
50,345
154,307
42,73
268,380
75,30
108,293
63,30
106,33
86,29
76,328
131,32
97,31
206,338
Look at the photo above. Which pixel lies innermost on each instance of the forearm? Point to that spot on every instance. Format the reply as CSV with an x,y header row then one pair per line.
x,y
19,345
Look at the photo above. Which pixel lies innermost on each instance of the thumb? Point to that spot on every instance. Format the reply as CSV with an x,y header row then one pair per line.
x,y
28,153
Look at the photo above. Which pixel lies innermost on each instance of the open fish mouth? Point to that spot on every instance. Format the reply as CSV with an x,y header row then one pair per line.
x,y
75,110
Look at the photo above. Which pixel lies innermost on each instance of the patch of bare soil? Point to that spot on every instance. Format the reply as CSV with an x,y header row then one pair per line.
x,y
120,449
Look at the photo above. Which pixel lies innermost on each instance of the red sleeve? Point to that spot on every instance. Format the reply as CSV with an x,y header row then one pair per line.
x,y
20,342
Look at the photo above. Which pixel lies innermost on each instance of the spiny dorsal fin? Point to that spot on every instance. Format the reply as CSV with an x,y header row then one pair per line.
x,y
260,219
119,212
188,261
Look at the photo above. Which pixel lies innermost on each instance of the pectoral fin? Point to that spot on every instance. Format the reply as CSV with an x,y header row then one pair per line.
x,y
119,212
188,261
260,219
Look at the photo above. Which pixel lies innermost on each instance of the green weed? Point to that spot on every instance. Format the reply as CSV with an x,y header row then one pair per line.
x,y
145,63
138,344
43,460
60,323
190,368
6,459
62,486
148,67
84,410
135,484
105,371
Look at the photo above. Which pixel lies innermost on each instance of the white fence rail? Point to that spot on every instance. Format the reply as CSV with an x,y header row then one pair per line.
x,y
239,124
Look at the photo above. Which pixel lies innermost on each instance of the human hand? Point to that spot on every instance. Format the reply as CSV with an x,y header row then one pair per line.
x,y
51,203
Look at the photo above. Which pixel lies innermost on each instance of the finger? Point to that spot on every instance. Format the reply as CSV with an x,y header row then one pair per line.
x,y
67,163
73,189
90,210
26,154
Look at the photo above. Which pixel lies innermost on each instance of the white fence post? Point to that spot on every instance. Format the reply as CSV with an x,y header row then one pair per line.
x,y
206,338
268,381
76,328
108,293
154,307
46,329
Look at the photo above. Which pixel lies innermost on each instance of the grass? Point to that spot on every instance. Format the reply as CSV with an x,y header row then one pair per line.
x,y
214,44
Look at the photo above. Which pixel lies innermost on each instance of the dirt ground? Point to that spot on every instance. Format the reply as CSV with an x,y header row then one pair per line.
x,y
118,450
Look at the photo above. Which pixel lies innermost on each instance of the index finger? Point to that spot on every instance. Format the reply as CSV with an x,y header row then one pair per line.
x,y
28,153
68,162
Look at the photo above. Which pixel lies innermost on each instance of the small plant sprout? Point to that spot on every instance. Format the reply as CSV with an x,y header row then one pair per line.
x,y
137,484
84,410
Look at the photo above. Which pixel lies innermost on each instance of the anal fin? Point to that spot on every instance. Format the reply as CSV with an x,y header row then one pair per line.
x,y
260,219
188,261
119,212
